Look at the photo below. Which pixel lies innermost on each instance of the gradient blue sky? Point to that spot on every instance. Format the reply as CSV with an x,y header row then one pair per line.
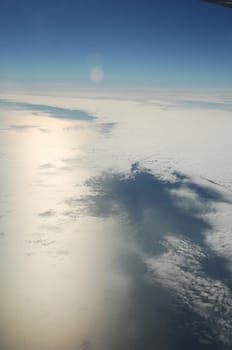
x,y
147,43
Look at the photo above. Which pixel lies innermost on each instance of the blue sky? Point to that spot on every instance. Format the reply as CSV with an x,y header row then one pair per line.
x,y
172,43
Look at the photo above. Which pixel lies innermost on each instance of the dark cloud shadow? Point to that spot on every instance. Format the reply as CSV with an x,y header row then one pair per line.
x,y
152,205
195,315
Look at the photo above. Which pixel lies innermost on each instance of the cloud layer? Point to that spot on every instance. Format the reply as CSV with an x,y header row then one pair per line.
x,y
166,221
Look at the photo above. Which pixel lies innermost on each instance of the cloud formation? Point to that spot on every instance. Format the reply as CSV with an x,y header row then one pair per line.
x,y
166,220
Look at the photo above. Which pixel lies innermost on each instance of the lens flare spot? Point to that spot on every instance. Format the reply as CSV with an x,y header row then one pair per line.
x,y
96,74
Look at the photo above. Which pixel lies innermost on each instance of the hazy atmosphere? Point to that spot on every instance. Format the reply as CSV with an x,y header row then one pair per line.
x,y
115,175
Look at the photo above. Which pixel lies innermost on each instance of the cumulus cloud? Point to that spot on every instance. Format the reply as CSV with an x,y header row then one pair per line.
x,y
181,268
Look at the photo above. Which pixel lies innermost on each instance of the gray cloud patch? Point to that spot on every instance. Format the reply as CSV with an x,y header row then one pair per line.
x,y
47,213
207,105
45,131
46,166
20,127
42,242
56,112
102,128
105,128
194,104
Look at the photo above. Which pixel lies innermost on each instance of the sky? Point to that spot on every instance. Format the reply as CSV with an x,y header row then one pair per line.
x,y
172,43
116,198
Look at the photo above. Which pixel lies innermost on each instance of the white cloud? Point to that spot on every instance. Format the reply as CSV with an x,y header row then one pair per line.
x,y
180,269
